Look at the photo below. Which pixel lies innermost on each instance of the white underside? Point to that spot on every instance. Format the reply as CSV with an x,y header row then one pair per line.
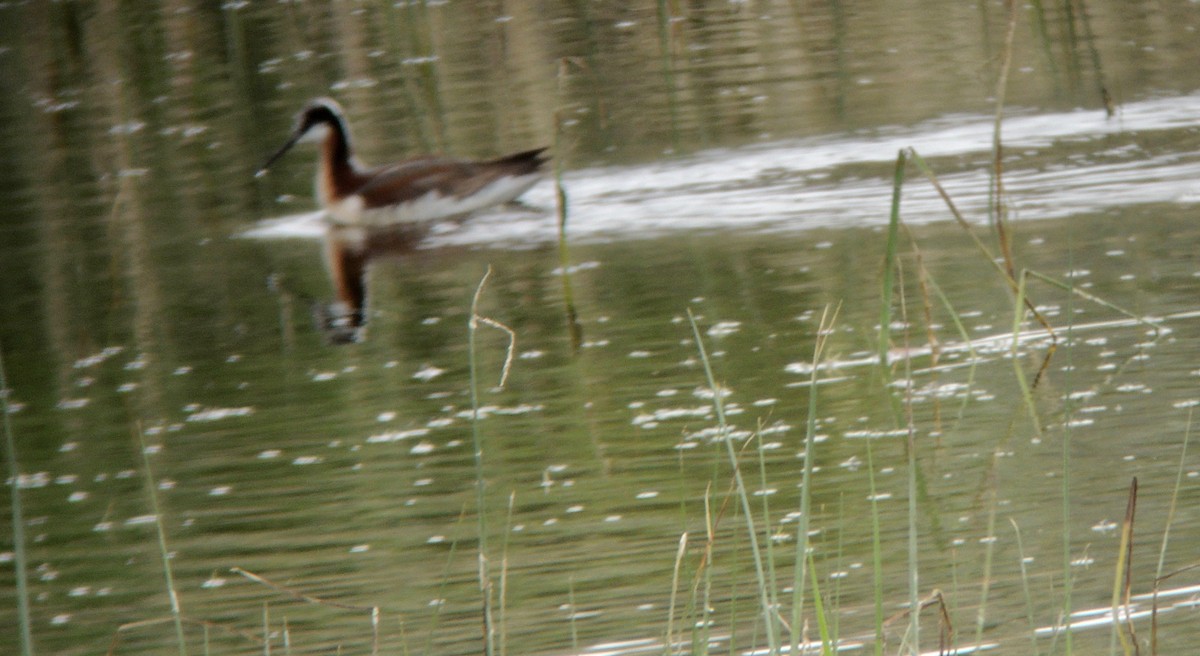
x,y
430,207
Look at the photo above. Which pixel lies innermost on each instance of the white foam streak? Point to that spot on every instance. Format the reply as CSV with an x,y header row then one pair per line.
x,y
791,186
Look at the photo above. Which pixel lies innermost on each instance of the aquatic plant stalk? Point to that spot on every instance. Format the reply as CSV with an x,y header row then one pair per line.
x,y
889,264
914,590
561,206
680,553
772,582
512,502
489,628
266,628
485,580
819,610
770,623
1122,578
1162,551
1025,588
998,215
824,329
989,551
571,604
876,555
20,563
164,554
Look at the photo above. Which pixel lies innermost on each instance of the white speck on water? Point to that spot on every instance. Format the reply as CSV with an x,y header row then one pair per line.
x,y
1104,526
421,448
708,393
1133,387
612,518
396,436
723,328
269,453
216,414
307,460
360,548
323,376
582,266
648,494
220,490
385,416
428,373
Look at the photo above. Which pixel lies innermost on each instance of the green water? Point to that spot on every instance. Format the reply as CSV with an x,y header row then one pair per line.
x,y
740,169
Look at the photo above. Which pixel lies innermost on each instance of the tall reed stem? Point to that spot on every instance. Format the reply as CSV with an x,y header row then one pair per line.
x,y
173,595
18,519
772,626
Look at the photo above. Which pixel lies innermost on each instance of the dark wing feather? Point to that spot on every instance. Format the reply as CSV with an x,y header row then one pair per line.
x,y
413,178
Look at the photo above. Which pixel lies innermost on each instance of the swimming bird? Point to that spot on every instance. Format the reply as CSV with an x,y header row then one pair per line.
x,y
421,190
389,210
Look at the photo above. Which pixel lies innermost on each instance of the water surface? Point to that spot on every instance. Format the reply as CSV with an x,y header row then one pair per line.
x,y
736,164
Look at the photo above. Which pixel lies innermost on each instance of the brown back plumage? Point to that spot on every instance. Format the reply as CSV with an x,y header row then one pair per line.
x,y
413,178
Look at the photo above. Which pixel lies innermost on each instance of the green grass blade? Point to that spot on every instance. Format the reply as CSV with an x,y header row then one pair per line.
x,y
771,625
876,554
819,610
889,264
164,554
1162,552
20,563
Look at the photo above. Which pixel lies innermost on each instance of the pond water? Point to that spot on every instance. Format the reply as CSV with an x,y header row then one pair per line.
x,y
728,161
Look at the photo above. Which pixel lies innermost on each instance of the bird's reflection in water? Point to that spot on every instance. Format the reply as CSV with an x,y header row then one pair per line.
x,y
348,252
